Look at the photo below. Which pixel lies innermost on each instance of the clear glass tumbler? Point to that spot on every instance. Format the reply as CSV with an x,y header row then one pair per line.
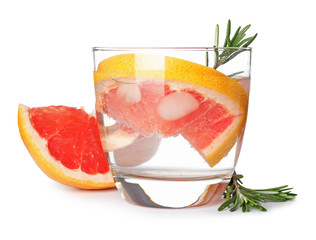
x,y
172,120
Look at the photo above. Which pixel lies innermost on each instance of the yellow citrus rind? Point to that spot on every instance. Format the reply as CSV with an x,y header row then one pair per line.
x,y
151,66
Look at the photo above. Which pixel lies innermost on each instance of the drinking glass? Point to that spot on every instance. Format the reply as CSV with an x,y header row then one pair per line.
x,y
172,120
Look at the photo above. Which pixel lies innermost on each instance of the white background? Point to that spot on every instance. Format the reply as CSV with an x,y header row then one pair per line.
x,y
46,58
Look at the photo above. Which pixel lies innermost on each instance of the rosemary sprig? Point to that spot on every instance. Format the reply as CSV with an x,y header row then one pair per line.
x,y
234,44
238,196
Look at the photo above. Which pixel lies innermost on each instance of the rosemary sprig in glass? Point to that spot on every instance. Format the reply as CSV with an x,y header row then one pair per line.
x,y
238,196
233,45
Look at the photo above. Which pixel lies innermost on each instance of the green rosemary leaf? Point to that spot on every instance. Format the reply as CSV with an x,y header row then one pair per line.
x,y
250,41
216,58
235,36
235,206
247,207
285,190
227,41
232,75
241,201
229,189
268,192
227,203
244,30
238,180
272,189
275,198
206,58
238,176
216,36
258,206
289,197
243,207
238,39
227,195
292,194
243,42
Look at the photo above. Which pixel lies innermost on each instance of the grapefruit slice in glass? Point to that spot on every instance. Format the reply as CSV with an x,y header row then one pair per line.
x,y
65,143
208,108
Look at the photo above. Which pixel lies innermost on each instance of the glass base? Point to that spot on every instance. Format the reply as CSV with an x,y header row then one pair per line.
x,y
162,193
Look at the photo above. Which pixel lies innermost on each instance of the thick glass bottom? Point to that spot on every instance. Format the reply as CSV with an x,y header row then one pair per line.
x,y
172,192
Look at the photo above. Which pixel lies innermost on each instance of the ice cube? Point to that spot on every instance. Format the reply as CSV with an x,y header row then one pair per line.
x,y
129,93
177,105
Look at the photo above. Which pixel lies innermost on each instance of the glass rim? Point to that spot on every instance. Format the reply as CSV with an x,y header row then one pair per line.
x,y
94,49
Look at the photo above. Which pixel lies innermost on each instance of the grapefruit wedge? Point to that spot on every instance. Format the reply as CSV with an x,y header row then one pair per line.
x,y
170,97
65,143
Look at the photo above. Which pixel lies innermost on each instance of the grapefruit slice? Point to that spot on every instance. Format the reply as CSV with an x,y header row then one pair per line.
x,y
208,108
65,143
